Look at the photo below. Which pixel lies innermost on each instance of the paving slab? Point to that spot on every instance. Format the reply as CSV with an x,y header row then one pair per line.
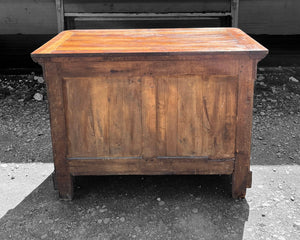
x,y
161,207
18,180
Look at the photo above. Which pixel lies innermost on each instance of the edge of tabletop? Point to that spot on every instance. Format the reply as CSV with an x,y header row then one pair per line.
x,y
51,45
41,58
46,51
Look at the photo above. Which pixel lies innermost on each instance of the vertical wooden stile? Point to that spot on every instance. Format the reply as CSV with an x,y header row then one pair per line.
x,y
171,111
151,101
64,181
149,85
242,174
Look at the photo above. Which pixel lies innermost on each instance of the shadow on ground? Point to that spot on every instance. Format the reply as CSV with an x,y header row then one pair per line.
x,y
128,207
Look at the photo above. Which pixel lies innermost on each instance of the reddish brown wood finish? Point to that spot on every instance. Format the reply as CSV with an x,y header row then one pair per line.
x,y
151,101
62,177
150,41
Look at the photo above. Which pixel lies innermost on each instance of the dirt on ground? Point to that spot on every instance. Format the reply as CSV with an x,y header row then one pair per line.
x,y
25,126
24,121
159,207
162,207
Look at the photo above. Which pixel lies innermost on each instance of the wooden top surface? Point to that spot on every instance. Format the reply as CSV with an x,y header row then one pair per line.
x,y
150,41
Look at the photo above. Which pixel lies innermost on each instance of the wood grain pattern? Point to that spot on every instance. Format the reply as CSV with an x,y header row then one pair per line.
x,y
220,101
63,178
171,116
154,115
148,100
155,101
241,178
151,41
155,166
104,119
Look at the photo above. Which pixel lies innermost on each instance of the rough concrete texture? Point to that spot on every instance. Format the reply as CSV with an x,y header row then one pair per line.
x,y
162,207
154,207
19,180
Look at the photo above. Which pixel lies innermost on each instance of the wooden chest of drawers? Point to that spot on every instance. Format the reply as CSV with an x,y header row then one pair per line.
x,y
151,101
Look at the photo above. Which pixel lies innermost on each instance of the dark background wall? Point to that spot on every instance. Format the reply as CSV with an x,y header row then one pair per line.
x,y
26,24
273,17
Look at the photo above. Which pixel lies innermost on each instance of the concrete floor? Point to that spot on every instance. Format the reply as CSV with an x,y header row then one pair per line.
x,y
156,207
150,207
17,181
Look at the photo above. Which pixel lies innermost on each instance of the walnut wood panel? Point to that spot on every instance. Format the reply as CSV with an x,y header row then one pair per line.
x,y
144,115
103,116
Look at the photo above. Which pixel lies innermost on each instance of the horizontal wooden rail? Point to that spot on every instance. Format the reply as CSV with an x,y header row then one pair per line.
x,y
154,166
